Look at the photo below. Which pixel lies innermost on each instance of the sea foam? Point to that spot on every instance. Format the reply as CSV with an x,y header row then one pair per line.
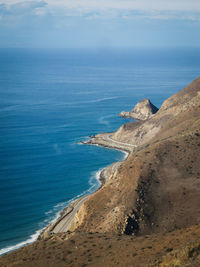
x,y
21,244
55,212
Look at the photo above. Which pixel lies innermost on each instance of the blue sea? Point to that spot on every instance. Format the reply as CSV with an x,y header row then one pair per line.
x,y
52,99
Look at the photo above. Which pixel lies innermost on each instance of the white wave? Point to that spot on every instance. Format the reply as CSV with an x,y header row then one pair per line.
x,y
48,212
59,205
94,183
39,104
103,119
80,140
55,212
98,174
21,244
94,180
77,103
125,154
100,99
64,125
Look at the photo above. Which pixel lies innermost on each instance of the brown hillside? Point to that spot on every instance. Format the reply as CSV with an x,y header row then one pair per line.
x,y
177,248
158,186
143,132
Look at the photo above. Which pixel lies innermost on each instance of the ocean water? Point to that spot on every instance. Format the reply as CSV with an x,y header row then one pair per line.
x,y
49,101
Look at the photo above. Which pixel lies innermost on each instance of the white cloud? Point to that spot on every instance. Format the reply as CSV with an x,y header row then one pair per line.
x,y
144,5
95,9
40,12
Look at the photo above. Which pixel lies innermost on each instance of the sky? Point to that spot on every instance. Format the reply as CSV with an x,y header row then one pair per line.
x,y
99,23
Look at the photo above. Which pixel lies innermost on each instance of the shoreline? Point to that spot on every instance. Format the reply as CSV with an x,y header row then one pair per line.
x,y
65,219
106,140
102,176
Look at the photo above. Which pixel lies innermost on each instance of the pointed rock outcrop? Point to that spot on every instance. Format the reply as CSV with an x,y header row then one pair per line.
x,y
143,110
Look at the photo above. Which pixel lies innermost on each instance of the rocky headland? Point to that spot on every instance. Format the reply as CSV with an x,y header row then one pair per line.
x,y
147,212
143,110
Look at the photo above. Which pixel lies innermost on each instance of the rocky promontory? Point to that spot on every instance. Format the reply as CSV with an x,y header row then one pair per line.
x,y
143,110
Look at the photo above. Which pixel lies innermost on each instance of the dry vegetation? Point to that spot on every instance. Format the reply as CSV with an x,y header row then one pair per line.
x,y
174,248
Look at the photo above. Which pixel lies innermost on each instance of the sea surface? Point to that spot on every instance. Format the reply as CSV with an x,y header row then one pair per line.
x,y
52,99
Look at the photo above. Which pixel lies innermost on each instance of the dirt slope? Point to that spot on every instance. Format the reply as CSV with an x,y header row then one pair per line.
x,y
177,248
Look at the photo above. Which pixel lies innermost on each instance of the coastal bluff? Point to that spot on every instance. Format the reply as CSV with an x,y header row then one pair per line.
x,y
147,212
143,110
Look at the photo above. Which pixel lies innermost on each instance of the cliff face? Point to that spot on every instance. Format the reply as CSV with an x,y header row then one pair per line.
x,y
143,110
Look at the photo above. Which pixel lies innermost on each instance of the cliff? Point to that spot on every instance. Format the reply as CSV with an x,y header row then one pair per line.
x,y
143,110
147,213
175,113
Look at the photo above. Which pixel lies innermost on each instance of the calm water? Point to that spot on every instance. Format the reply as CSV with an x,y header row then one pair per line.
x,y
50,100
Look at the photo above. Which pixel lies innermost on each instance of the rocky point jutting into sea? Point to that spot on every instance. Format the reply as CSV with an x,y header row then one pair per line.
x,y
147,213
142,111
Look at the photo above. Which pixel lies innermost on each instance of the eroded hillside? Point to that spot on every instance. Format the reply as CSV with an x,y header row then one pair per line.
x,y
158,187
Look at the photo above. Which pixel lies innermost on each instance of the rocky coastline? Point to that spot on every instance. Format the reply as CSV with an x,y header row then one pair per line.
x,y
143,110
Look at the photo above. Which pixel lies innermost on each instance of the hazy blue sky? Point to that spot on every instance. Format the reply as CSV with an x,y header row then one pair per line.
x,y
102,23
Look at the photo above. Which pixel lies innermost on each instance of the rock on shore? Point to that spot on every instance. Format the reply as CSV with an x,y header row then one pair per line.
x,y
143,110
